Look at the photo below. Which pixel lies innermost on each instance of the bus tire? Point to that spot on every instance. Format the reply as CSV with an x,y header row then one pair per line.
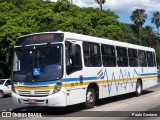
x,y
1,94
90,98
138,88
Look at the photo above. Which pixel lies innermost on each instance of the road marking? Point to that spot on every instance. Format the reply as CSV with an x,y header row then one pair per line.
x,y
7,110
145,99
4,110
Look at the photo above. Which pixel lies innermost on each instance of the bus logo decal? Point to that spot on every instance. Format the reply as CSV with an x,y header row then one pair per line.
x,y
99,74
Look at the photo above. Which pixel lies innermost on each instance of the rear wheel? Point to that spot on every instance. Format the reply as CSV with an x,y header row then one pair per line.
x,y
1,94
90,98
138,88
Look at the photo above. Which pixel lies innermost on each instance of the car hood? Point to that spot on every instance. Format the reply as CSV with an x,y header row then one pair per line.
x,y
1,86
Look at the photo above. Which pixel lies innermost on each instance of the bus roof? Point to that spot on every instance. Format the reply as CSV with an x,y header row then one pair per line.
x,y
104,41
87,38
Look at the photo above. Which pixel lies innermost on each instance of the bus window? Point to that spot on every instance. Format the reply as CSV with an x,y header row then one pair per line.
x,y
91,54
154,59
122,59
108,56
150,59
142,58
73,62
133,58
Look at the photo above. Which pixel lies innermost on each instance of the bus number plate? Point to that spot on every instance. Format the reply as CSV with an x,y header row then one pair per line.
x,y
32,101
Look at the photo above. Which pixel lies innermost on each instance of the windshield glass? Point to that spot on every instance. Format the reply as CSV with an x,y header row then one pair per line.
x,y
1,82
38,63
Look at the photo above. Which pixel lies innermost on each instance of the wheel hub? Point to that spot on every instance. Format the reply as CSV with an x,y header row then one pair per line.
x,y
139,88
90,97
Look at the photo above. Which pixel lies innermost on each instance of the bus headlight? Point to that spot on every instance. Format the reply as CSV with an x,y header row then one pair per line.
x,y
57,87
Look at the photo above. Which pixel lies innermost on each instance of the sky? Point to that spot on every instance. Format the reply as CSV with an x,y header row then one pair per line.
x,y
124,8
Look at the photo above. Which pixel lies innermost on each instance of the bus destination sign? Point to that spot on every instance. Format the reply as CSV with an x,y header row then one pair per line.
x,y
40,38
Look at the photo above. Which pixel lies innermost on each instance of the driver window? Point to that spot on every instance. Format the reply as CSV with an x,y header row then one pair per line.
x,y
73,62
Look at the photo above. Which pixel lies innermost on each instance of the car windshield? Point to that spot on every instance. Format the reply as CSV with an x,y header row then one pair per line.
x,y
38,63
1,82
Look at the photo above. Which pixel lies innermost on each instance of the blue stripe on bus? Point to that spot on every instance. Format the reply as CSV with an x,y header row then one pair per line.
x,y
84,78
70,80
148,74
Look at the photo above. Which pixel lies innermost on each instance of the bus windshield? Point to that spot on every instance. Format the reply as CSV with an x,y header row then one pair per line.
x,y
37,63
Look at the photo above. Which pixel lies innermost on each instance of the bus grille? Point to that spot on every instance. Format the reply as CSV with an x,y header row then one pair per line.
x,y
33,93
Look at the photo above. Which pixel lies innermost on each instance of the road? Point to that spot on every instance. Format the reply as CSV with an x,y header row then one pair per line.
x,y
118,107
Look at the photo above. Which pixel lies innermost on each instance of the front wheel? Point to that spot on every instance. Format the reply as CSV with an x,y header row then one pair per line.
x,y
1,94
90,98
138,88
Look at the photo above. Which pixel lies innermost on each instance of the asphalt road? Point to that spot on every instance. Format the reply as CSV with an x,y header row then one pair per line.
x,y
118,107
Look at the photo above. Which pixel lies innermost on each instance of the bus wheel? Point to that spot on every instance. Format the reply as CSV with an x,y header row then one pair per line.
x,y
1,94
138,88
90,98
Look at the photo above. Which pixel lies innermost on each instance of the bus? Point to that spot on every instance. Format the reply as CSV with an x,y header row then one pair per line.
x,y
63,68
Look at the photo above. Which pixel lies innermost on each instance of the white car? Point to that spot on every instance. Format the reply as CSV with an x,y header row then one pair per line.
x,y
5,87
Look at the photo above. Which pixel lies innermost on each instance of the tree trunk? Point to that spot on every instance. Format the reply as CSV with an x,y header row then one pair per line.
x,y
101,6
139,35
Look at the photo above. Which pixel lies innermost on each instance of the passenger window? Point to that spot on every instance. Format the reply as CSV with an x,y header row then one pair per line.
x,y
133,58
150,59
122,59
108,56
73,62
142,58
92,56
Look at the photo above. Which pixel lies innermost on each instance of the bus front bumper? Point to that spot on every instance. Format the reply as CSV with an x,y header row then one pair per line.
x,y
57,99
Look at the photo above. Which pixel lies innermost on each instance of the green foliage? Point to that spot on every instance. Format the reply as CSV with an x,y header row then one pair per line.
x,y
158,54
138,17
20,17
129,34
156,20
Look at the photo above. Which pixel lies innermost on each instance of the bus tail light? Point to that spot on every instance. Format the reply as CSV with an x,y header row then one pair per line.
x,y
57,87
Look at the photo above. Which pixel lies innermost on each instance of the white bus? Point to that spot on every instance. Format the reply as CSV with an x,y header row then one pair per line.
x,y
63,68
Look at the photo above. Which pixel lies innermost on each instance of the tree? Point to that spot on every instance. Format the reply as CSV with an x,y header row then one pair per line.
x,y
156,20
100,2
138,17
128,34
64,1
149,29
146,36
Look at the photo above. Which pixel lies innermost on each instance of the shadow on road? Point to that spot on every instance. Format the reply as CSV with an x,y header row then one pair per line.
x,y
119,98
64,111
6,96
50,111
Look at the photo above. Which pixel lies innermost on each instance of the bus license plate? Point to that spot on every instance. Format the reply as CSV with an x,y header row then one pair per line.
x,y
32,101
